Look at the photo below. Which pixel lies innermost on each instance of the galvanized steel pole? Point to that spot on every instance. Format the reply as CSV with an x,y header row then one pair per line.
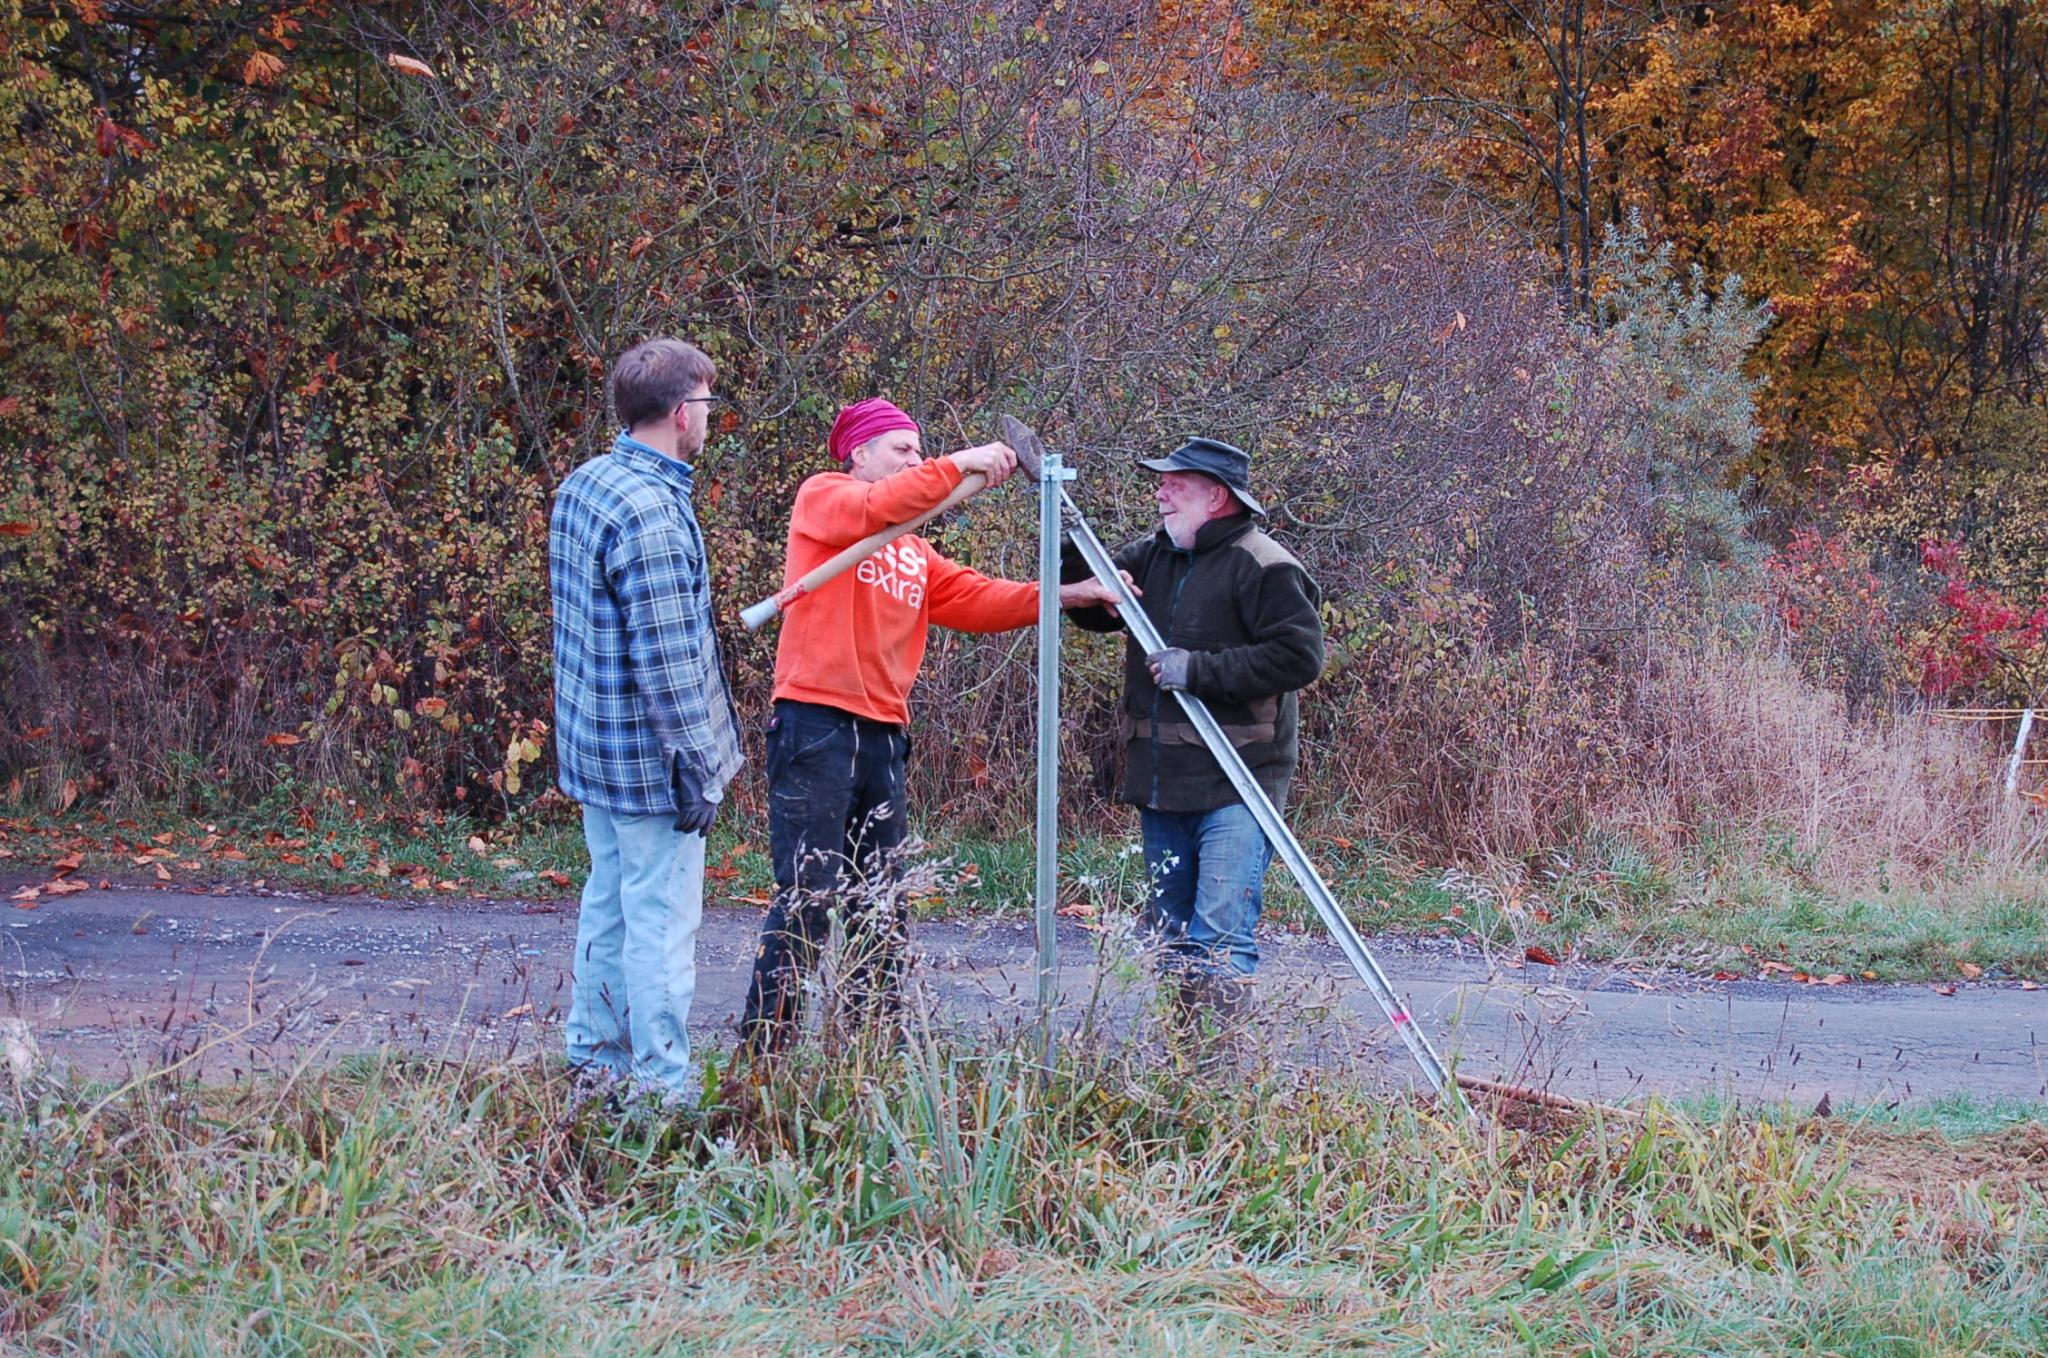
x,y
1050,477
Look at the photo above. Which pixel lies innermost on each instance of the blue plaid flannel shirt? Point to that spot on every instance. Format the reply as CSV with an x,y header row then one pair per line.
x,y
639,689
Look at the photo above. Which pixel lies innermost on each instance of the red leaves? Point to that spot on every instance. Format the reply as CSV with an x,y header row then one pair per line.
x,y
1543,955
110,137
280,739
1982,636
16,529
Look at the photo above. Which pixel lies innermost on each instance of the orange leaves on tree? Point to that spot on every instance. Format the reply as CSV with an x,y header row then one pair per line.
x,y
262,68
409,66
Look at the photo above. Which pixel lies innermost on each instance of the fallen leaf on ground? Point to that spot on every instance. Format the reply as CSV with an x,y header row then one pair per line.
x,y
1543,955
2029,985
519,1011
163,874
1944,990
555,875
69,864
1640,985
1833,978
61,887
1727,975
1768,968
1970,970
27,893
1077,910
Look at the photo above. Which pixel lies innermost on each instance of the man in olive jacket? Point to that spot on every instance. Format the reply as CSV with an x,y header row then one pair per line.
x,y
1242,629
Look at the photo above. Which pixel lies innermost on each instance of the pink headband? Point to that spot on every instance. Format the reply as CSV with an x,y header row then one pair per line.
x,y
862,421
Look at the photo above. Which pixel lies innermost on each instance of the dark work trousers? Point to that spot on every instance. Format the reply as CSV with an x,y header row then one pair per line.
x,y
835,824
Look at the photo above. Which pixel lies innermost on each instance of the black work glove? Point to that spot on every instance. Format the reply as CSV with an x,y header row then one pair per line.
x,y
1169,667
694,810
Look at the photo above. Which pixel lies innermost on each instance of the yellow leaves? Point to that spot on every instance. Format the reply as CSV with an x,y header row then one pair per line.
x,y
522,751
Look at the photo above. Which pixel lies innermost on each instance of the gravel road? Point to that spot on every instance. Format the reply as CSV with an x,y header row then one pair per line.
x,y
109,980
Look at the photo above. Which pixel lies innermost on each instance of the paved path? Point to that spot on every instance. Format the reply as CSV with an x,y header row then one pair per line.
x,y
108,980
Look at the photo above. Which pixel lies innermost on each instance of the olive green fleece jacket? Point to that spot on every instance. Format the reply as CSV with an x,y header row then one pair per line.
x,y
1248,615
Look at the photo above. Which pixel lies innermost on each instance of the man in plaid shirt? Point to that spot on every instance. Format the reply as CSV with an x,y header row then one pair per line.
x,y
644,724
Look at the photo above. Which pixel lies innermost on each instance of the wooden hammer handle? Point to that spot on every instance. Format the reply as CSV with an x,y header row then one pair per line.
x,y
757,616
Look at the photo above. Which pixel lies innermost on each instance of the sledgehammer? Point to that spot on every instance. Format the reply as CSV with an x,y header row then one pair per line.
x,y
756,616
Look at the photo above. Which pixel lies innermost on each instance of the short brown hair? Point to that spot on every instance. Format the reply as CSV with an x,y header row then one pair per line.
x,y
653,377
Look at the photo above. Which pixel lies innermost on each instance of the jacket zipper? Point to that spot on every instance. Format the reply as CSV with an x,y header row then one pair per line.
x,y
1158,693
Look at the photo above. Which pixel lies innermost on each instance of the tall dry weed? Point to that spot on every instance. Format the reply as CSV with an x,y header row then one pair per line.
x,y
1708,742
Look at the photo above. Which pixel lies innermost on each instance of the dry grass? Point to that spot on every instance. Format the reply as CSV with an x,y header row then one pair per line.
x,y
1741,740
961,1200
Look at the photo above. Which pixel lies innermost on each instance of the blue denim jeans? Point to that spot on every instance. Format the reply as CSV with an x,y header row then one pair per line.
x,y
636,950
1208,872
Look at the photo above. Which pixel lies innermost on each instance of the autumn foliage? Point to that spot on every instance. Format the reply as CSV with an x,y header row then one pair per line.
x,y
305,308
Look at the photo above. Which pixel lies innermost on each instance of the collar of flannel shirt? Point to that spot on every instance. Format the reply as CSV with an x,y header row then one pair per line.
x,y
669,468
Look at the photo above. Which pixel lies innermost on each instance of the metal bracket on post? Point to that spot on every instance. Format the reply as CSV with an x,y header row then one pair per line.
x,y
1051,479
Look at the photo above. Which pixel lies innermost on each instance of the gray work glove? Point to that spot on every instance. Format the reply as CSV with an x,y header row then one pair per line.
x,y
694,810
1169,667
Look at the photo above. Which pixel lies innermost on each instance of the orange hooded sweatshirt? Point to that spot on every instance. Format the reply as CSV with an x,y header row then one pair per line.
x,y
857,642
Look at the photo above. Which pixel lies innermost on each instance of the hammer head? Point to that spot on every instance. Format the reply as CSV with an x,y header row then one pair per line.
x,y
1030,452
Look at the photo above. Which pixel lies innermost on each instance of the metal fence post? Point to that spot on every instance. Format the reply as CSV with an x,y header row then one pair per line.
x,y
2019,751
1051,474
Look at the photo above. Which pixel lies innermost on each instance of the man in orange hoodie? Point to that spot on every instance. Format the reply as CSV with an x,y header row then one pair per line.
x,y
844,666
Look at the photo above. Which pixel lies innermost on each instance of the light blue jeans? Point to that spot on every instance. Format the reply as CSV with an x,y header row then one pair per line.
x,y
1208,872
636,950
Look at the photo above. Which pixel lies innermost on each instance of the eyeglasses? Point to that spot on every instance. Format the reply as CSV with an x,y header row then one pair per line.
x,y
704,400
